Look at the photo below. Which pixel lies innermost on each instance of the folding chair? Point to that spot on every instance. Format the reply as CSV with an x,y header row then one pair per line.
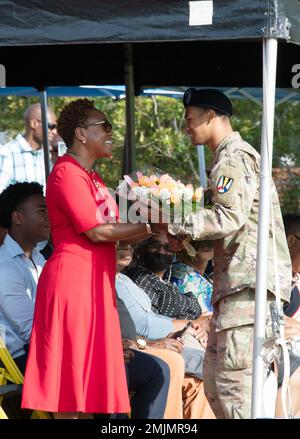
x,y
10,372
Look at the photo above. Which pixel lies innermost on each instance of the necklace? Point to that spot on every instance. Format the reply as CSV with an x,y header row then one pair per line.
x,y
91,172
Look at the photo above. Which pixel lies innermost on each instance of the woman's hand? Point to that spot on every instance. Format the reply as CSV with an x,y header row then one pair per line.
x,y
128,353
169,343
201,324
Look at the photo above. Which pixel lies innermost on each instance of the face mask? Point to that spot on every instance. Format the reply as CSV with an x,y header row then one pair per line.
x,y
155,261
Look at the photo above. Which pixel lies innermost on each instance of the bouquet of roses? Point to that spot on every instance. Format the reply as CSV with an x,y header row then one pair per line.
x,y
151,188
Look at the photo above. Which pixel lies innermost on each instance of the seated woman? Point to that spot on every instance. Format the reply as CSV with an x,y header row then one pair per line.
x,y
153,258
188,273
158,331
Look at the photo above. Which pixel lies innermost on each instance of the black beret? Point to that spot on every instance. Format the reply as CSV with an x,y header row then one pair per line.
x,y
208,98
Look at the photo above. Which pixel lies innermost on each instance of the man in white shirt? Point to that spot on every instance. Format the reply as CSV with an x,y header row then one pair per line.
x,y
22,159
23,212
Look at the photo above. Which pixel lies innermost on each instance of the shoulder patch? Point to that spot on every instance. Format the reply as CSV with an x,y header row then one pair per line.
x,y
224,184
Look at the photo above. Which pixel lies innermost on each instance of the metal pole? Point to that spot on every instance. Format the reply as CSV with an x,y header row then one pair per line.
x,y
129,151
269,88
201,165
44,107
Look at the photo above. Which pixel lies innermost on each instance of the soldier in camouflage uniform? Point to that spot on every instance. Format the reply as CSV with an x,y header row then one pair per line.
x,y
231,220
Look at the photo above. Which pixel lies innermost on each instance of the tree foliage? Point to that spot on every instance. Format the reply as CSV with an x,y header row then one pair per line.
x,y
161,140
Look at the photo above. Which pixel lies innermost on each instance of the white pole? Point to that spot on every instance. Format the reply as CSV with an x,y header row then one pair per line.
x,y
201,165
269,88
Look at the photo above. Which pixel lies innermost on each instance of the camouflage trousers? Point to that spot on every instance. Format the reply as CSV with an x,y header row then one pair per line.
x,y
227,370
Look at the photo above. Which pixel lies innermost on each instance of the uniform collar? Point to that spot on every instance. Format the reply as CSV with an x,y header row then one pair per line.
x,y
227,139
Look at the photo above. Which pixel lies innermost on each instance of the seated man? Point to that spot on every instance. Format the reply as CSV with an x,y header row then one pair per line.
x,y
23,212
157,328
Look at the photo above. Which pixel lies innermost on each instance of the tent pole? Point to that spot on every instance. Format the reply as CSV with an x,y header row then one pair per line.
x,y
44,107
269,88
129,151
201,165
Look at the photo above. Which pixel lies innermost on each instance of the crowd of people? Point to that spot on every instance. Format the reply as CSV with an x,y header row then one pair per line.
x,y
116,319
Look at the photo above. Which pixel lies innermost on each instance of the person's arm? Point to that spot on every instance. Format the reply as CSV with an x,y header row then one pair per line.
x,y
167,299
166,343
138,304
15,304
138,238
117,232
230,209
75,198
128,346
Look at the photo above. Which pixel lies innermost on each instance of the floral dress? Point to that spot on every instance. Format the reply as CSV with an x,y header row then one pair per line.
x,y
188,280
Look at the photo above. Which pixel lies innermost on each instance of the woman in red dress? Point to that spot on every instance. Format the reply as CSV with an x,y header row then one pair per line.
x,y
75,363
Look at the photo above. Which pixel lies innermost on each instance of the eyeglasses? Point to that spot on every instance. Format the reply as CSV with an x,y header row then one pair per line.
x,y
107,126
51,126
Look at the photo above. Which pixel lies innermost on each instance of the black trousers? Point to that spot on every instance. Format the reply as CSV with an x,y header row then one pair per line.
x,y
148,378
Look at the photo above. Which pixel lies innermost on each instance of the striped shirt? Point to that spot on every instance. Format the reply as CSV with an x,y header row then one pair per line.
x,y
19,162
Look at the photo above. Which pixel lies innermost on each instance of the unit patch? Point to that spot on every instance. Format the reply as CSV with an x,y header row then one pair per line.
x,y
224,184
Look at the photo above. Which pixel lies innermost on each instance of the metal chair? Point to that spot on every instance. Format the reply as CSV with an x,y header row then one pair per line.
x,y
12,374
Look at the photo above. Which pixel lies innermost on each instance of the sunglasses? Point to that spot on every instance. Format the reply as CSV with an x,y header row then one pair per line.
x,y
107,126
51,126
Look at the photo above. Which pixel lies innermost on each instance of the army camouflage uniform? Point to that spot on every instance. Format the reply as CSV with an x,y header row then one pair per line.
x,y
232,221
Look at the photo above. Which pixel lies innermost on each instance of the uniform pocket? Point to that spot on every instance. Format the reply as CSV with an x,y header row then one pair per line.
x,y
235,348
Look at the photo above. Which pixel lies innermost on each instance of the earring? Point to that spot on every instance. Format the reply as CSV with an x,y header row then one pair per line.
x,y
83,141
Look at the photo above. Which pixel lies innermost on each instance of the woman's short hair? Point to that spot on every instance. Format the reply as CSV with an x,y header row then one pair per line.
x,y
73,115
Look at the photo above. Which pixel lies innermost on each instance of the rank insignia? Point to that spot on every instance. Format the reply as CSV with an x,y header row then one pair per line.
x,y
224,184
